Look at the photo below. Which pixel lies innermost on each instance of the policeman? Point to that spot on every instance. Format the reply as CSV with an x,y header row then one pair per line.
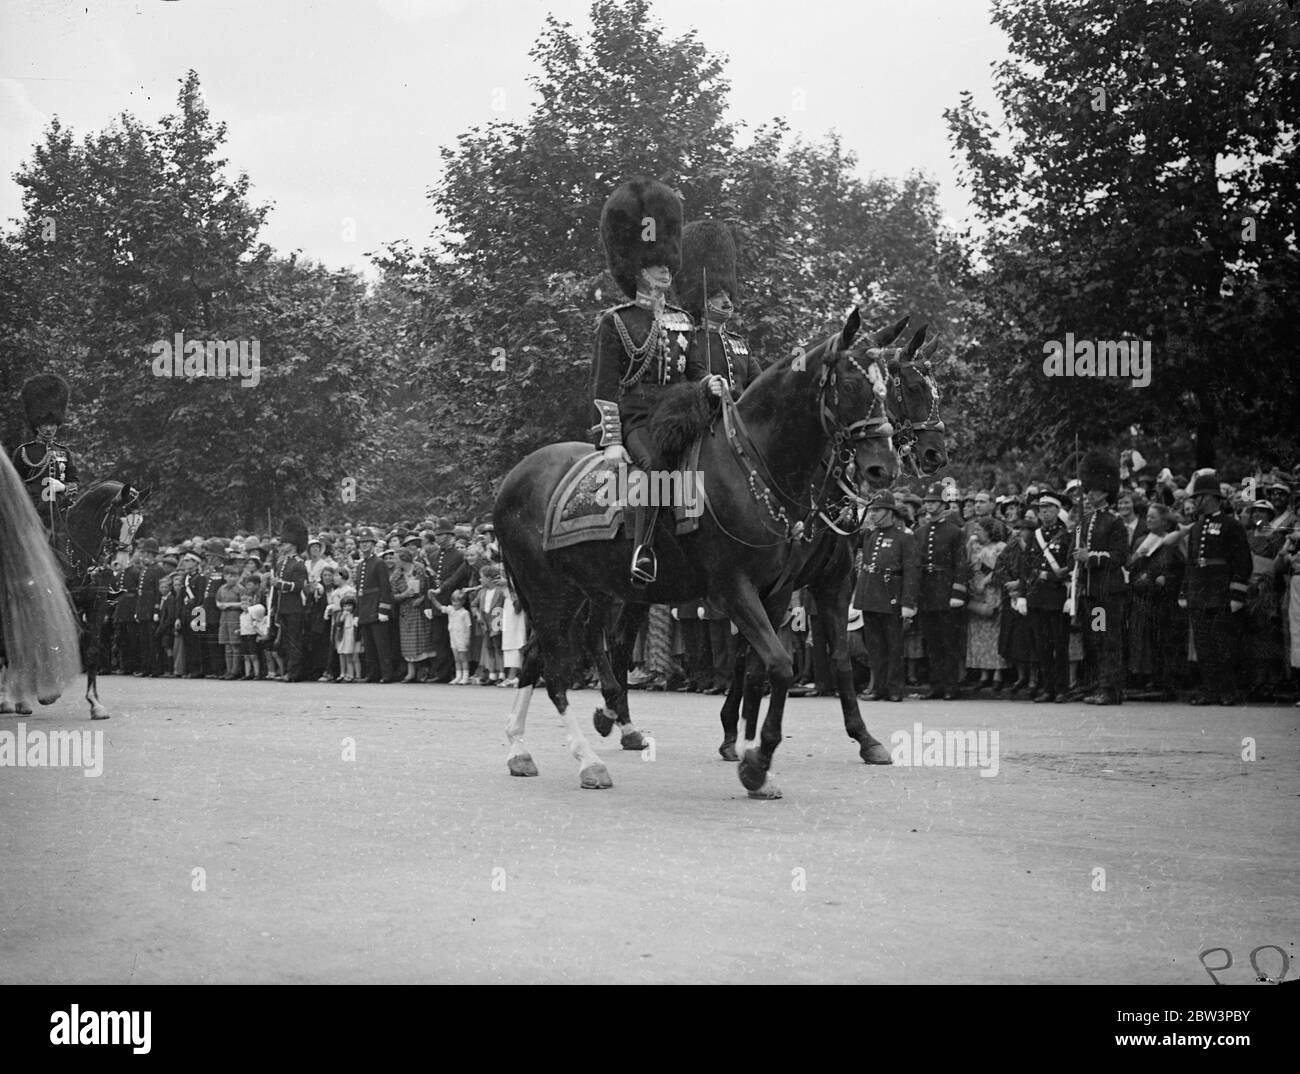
x,y
709,260
944,573
44,465
886,594
1047,573
147,598
643,345
1102,552
1214,591
291,582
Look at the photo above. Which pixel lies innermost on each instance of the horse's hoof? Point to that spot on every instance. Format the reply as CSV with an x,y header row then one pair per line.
x,y
49,699
752,774
100,715
522,765
634,740
6,708
595,777
22,708
604,723
767,791
727,751
875,753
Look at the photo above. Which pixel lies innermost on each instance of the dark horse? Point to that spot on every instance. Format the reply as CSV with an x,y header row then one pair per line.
x,y
761,504
94,535
826,569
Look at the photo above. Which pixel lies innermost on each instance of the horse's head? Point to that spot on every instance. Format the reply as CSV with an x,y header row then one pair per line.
x,y
130,497
913,405
854,388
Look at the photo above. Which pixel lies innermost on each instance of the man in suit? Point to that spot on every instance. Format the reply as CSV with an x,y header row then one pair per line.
x,y
291,598
448,572
374,609
147,598
886,594
942,596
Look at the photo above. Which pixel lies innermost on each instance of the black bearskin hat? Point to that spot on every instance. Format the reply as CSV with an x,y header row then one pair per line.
x,y
706,247
45,399
1098,472
294,532
623,222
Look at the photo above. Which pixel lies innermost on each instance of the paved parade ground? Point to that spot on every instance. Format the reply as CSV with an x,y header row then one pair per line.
x,y
231,838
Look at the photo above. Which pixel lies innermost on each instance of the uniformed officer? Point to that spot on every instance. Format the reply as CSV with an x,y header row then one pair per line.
x,y
1047,574
291,581
1102,552
709,260
147,598
642,346
45,466
886,593
945,570
447,571
1214,591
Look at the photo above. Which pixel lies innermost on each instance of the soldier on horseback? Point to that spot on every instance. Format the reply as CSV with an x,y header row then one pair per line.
x,y
643,345
709,262
45,466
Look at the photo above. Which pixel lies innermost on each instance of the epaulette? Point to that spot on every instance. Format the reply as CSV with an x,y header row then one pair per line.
x,y
616,309
676,319
738,342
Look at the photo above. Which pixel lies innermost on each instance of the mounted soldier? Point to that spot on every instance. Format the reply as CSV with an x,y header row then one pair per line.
x,y
644,345
45,466
709,264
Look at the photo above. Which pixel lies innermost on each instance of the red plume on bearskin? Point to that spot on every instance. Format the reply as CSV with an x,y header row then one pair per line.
x,y
625,221
294,532
707,246
1098,472
41,637
45,399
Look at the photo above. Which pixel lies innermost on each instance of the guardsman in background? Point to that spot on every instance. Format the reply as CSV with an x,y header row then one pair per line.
x,y
44,465
643,345
708,253
374,609
1214,591
1047,574
147,599
1101,552
886,594
944,569
291,588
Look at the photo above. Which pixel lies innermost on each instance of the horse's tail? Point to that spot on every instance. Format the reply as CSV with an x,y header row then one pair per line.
x,y
40,627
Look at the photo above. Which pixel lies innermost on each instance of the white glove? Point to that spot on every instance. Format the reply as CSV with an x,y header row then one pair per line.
x,y
674,614
955,602
617,453
383,618
1021,605
55,485
908,613
428,613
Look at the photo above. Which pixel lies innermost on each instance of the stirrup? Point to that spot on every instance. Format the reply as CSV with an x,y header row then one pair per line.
x,y
642,575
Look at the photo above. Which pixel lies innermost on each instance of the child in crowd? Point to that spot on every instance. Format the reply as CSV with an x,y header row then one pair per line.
x,y
266,644
169,612
229,604
347,641
248,632
458,628
491,599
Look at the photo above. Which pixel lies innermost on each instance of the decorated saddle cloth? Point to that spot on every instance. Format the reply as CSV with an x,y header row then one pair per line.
x,y
589,503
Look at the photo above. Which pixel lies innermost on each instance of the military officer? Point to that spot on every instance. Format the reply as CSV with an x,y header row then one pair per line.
x,y
291,582
1047,573
643,345
709,259
1101,554
374,609
147,598
448,571
45,466
1214,591
886,594
944,572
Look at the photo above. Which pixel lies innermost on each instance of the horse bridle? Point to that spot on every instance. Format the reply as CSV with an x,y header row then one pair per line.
x,y
909,431
90,563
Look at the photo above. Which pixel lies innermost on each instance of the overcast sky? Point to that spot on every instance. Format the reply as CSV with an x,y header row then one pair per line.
x,y
337,108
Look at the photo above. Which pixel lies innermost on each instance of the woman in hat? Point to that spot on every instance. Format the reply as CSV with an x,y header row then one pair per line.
x,y
984,623
414,627
1015,640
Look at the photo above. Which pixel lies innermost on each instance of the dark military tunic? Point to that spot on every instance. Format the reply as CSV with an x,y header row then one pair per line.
x,y
37,464
638,354
1046,591
1218,572
944,573
726,354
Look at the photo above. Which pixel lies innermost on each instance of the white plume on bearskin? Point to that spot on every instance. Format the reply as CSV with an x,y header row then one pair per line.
x,y
41,635
624,227
45,399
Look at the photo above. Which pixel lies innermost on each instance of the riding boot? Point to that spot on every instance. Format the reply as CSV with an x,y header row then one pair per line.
x,y
644,564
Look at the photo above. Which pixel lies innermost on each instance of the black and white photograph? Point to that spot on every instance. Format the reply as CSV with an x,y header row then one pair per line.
x,y
650,492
